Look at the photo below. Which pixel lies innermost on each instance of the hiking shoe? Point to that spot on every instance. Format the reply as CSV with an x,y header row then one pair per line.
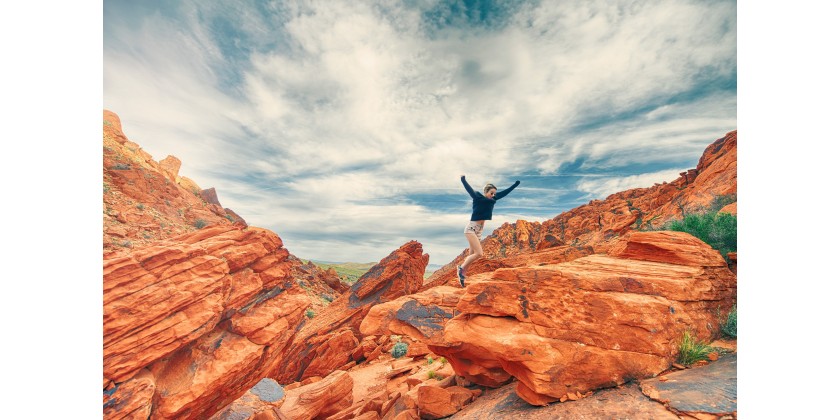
x,y
461,276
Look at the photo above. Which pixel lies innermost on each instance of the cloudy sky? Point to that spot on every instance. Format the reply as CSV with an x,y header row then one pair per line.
x,y
344,126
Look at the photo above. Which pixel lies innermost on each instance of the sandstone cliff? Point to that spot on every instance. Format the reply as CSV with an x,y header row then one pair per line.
x,y
197,306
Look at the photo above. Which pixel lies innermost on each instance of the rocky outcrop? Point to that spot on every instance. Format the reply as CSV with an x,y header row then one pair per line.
x,y
320,399
261,402
564,330
327,342
144,200
206,313
593,226
421,316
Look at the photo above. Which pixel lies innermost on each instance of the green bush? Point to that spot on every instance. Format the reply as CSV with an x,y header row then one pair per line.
x,y
691,350
399,350
721,201
729,326
199,223
310,313
719,230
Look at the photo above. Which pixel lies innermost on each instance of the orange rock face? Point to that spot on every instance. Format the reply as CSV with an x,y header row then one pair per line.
x,y
145,201
420,316
320,399
206,313
592,323
194,314
328,341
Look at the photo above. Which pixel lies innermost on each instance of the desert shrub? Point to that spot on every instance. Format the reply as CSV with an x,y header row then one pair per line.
x,y
399,350
729,326
140,206
443,360
430,360
432,374
199,223
719,230
692,350
310,313
721,201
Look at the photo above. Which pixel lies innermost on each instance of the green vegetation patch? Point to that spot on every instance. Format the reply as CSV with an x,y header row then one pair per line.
x,y
399,350
719,230
729,326
692,350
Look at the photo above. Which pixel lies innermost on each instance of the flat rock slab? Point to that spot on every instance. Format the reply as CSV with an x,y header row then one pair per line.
x,y
708,389
624,402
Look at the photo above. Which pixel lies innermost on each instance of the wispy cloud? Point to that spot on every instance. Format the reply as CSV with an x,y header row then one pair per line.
x,y
600,188
332,120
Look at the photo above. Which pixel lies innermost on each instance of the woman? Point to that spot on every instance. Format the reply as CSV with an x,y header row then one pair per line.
x,y
482,210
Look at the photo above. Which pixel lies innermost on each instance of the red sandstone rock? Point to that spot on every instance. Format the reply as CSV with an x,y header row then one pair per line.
x,y
325,339
591,323
320,399
132,399
261,401
420,316
208,312
145,201
170,166
436,403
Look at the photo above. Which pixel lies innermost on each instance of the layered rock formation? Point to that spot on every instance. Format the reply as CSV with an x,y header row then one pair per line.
x,y
206,313
194,314
592,226
563,330
144,200
328,342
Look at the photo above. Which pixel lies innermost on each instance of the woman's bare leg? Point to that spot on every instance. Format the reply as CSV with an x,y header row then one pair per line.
x,y
475,250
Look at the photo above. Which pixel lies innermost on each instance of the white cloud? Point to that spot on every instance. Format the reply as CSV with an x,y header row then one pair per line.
x,y
600,188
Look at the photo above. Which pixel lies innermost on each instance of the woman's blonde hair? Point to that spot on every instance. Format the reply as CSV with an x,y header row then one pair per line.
x,y
489,187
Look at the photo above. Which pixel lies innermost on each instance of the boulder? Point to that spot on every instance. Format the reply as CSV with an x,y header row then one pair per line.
x,y
320,399
595,322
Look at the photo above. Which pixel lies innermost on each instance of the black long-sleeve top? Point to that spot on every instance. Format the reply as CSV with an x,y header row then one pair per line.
x,y
483,206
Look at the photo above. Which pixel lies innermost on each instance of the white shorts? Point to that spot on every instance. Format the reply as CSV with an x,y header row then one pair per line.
x,y
474,227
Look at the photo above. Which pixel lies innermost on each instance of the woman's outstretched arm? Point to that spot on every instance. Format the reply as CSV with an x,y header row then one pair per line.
x,y
502,193
467,186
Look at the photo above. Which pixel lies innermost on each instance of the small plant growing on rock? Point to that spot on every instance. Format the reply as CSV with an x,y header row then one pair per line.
x,y
430,360
199,223
310,313
729,326
691,350
443,360
399,350
432,375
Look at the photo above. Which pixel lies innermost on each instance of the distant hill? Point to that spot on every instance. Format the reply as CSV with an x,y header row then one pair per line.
x,y
351,271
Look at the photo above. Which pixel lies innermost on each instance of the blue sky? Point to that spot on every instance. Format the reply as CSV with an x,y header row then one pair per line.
x,y
344,125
